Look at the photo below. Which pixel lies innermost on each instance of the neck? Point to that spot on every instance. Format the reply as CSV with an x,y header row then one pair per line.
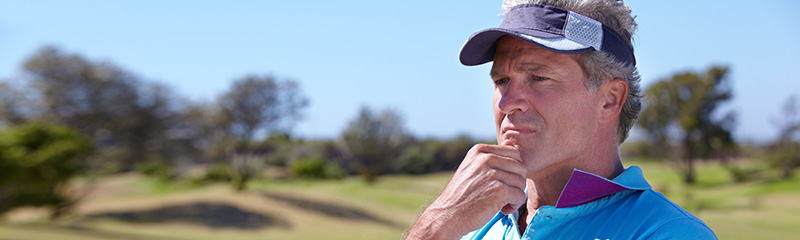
x,y
545,186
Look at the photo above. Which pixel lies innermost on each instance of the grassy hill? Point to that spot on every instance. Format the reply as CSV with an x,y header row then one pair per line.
x,y
134,207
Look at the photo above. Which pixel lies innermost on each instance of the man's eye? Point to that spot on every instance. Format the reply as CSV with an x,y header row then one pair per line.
x,y
539,79
501,81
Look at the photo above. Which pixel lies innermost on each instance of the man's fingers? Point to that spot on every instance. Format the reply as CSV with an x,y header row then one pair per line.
x,y
507,189
502,150
497,157
509,178
515,200
509,208
507,164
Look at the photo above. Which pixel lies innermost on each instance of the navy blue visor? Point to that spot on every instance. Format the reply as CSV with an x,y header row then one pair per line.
x,y
551,28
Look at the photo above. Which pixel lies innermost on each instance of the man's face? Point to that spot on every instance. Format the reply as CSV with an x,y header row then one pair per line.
x,y
542,105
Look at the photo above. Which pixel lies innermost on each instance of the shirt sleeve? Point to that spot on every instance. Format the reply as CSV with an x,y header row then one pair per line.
x,y
683,228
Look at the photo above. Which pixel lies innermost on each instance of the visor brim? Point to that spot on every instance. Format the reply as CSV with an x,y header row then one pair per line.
x,y
480,48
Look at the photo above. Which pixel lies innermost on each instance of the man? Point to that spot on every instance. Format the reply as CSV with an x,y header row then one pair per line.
x,y
566,95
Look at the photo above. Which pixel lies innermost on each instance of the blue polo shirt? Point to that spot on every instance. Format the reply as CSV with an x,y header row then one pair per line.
x,y
592,207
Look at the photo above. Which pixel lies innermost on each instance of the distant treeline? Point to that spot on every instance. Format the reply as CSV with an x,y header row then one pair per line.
x,y
144,125
68,115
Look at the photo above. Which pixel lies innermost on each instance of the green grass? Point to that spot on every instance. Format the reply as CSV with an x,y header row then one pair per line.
x,y
401,192
764,207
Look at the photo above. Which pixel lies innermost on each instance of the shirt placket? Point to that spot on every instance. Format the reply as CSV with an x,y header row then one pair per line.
x,y
541,222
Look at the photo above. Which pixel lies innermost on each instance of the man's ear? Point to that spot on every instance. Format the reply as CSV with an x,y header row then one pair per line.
x,y
612,96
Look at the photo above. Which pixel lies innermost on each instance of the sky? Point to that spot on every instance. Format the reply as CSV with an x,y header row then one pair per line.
x,y
394,54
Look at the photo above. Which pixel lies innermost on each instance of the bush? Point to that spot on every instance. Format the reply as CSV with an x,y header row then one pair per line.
x,y
449,155
414,160
638,149
218,173
315,167
157,169
36,161
333,170
785,156
738,174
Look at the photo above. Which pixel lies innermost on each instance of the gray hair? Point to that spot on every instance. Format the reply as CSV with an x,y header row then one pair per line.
x,y
600,66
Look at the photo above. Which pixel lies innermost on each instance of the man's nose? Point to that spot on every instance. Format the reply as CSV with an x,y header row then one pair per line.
x,y
513,98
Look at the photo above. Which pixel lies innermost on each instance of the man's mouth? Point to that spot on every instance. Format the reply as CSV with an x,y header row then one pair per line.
x,y
512,133
517,130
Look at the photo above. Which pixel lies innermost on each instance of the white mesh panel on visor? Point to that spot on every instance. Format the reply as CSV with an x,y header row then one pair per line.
x,y
584,30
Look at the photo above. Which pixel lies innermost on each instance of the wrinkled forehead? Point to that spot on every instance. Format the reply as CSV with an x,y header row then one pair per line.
x,y
520,55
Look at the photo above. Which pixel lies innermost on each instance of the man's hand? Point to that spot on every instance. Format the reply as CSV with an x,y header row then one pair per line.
x,y
491,178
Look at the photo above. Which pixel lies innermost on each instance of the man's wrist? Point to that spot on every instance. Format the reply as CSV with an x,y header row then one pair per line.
x,y
431,225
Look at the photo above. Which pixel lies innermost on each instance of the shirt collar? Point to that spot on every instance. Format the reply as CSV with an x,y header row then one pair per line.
x,y
584,187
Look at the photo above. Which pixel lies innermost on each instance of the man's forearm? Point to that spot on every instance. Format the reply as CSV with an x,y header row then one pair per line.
x,y
431,226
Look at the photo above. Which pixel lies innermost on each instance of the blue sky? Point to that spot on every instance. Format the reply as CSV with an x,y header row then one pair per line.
x,y
399,54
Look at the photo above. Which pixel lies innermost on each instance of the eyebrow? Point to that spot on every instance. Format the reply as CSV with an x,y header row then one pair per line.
x,y
525,67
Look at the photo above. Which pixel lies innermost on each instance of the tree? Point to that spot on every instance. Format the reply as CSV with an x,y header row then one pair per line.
x,y
433,155
12,105
36,161
95,98
682,109
255,103
165,129
261,103
245,167
373,140
84,95
133,121
786,154
452,152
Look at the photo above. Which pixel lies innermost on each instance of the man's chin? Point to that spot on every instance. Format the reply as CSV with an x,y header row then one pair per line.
x,y
530,159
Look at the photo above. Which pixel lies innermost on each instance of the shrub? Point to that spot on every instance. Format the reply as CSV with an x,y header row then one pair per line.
x,y
333,170
415,160
315,167
36,161
218,173
157,169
